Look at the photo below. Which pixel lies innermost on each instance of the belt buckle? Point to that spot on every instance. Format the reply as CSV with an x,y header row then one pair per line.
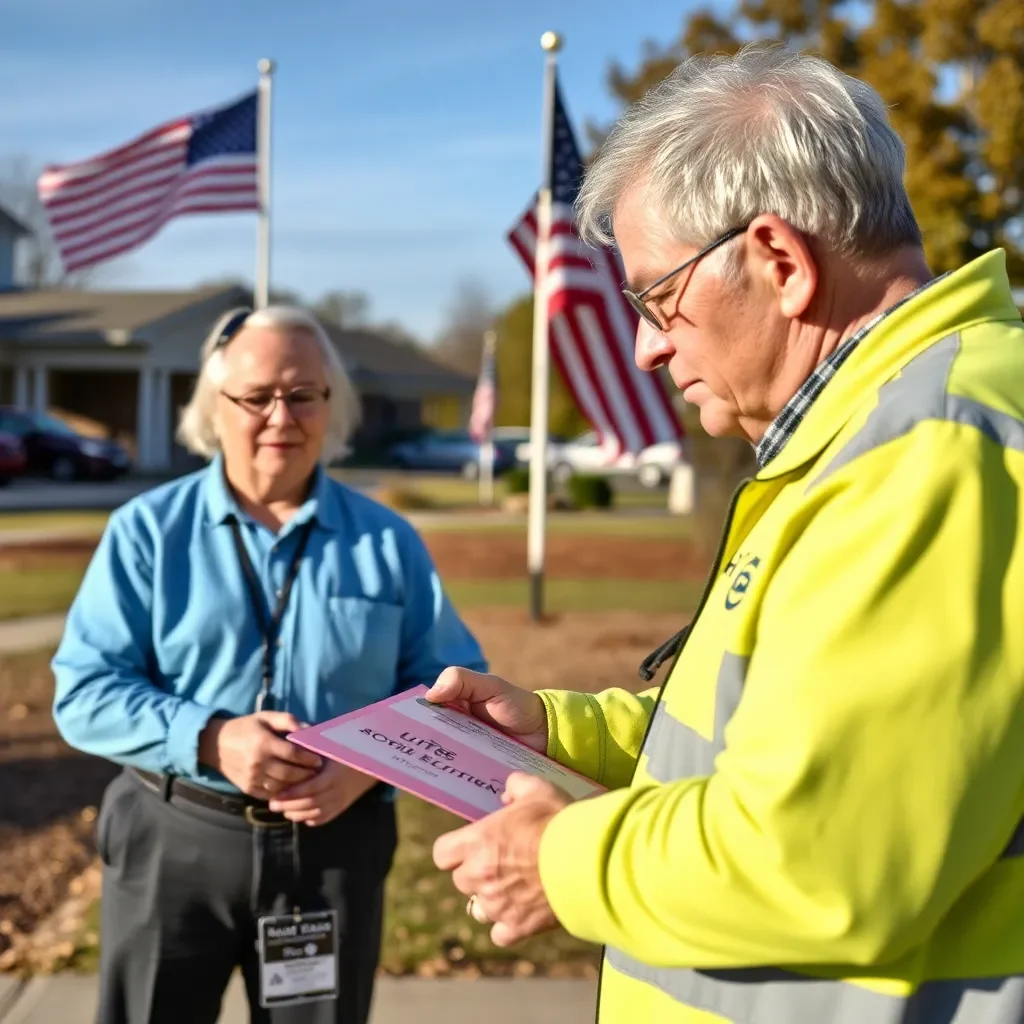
x,y
252,816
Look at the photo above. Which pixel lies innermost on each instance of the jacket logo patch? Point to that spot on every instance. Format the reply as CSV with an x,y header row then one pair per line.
x,y
741,569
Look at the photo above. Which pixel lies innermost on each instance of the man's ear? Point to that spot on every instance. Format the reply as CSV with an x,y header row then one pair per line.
x,y
780,257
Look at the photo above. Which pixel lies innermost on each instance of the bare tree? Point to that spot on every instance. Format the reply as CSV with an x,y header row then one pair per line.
x,y
277,296
460,344
343,308
39,263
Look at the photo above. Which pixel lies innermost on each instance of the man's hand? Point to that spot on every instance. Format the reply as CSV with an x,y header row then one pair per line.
x,y
250,752
322,798
495,859
510,708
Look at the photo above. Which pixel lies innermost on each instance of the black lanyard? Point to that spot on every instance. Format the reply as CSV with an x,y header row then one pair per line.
x,y
268,630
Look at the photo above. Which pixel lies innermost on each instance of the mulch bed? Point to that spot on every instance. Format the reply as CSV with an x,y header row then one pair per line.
x,y
475,555
49,794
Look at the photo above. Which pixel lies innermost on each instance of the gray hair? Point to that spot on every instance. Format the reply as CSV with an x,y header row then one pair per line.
x,y
197,427
724,139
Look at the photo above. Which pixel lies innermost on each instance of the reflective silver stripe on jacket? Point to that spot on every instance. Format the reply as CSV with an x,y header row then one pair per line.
x,y
920,394
771,996
674,750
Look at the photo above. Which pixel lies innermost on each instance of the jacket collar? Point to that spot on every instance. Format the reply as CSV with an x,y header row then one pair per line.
x,y
977,292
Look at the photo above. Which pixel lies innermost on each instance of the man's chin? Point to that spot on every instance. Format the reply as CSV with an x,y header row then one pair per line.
x,y
718,422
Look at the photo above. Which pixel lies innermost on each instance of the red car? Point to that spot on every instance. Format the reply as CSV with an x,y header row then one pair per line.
x,y
13,459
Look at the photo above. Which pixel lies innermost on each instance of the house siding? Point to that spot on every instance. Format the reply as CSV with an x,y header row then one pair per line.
x,y
7,240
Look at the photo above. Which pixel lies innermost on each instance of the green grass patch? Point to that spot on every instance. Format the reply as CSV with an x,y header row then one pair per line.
x,y
50,590
426,928
38,591
425,918
440,492
74,521
453,492
593,524
579,595
440,496
86,956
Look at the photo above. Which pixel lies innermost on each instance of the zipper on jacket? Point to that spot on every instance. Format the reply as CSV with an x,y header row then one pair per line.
x,y
673,647
716,566
708,586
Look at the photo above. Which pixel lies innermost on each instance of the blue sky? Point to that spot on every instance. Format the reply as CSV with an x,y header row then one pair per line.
x,y
406,132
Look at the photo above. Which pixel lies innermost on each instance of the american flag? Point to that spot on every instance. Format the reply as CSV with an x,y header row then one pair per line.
x,y
112,203
485,398
593,327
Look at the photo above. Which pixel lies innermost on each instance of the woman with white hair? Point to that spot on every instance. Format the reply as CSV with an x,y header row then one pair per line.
x,y
220,612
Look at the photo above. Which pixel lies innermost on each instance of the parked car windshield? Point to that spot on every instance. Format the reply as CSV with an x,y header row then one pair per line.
x,y
53,425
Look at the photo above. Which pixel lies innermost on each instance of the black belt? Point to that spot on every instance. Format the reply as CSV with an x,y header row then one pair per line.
x,y
255,812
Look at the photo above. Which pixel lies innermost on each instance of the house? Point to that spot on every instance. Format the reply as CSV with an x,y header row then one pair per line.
x,y
127,361
11,229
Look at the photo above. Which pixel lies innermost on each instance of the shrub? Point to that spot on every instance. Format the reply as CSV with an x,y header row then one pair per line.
x,y
517,480
589,491
404,499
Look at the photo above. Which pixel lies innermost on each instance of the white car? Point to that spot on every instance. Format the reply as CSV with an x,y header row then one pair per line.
x,y
583,454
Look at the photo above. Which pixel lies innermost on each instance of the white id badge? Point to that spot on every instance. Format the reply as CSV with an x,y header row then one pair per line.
x,y
298,958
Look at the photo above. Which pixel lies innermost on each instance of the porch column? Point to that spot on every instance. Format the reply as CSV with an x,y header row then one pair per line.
x,y
681,490
144,418
161,450
22,392
40,389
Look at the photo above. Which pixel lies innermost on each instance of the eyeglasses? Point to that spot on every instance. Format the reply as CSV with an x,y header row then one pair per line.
x,y
638,300
302,402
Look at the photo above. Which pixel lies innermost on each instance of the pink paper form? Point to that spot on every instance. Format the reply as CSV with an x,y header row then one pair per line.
x,y
439,754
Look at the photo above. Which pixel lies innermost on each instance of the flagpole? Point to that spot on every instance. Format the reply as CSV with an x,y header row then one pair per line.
x,y
551,43
487,447
261,296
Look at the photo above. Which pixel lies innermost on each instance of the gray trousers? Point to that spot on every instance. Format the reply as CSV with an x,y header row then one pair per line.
x,y
184,887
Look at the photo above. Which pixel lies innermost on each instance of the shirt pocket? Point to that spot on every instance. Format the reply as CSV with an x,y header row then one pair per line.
x,y
361,652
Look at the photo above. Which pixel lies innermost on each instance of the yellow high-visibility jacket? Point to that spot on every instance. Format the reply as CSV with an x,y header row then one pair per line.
x,y
819,819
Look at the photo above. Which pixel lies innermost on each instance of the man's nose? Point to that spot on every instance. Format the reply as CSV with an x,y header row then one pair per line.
x,y
652,349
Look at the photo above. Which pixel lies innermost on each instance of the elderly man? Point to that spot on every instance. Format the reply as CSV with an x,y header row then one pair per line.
x,y
818,819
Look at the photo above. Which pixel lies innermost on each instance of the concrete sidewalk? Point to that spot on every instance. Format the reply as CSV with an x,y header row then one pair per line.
x,y
31,634
71,999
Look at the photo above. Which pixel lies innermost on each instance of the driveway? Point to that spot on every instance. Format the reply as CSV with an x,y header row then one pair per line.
x,y
37,495
28,495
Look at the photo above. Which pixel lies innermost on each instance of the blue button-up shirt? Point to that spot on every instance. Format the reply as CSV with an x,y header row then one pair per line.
x,y
162,633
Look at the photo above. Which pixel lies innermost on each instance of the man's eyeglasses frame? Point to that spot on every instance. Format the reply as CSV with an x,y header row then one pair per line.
x,y
638,300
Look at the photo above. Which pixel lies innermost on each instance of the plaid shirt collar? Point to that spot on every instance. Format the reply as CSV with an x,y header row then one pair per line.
x,y
783,427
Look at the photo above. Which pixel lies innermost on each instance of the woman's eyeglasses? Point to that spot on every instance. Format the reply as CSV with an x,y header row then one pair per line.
x,y
301,402
638,300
